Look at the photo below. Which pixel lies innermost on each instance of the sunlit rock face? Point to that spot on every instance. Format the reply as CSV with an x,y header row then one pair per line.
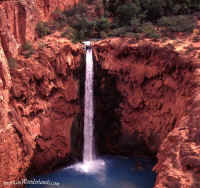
x,y
144,89
13,147
46,96
146,103
144,106
18,20
40,120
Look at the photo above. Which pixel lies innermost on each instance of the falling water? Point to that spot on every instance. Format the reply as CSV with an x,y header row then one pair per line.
x,y
88,153
90,163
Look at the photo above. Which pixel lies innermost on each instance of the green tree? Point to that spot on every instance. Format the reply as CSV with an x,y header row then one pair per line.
x,y
127,11
42,29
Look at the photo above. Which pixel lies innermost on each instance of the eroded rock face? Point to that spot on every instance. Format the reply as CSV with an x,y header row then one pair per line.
x,y
43,111
145,104
46,95
14,157
179,153
18,20
152,86
143,99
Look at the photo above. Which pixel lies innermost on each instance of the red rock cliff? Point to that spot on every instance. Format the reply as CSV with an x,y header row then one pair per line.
x,y
40,105
145,96
144,105
19,18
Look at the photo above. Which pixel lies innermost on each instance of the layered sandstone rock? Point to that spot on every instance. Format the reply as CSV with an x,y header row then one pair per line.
x,y
19,18
41,119
144,105
13,158
179,154
144,101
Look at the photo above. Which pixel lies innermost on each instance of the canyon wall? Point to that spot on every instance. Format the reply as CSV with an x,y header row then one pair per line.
x,y
146,103
19,18
145,106
149,90
41,111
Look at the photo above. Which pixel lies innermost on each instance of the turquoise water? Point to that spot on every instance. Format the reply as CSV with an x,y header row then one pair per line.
x,y
118,172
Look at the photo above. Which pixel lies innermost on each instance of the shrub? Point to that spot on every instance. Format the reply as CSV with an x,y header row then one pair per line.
x,y
42,29
180,23
102,24
41,45
189,49
27,49
153,9
27,46
111,5
68,33
12,63
78,36
83,30
60,18
119,32
149,30
185,7
131,35
83,24
126,12
76,10
136,25
103,35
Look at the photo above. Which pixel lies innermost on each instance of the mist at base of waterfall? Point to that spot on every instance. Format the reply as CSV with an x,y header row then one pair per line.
x,y
108,172
89,167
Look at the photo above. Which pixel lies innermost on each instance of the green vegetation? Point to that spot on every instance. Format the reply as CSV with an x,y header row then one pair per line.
x,y
126,12
134,18
177,23
144,15
42,29
12,63
27,49
83,29
152,10
149,31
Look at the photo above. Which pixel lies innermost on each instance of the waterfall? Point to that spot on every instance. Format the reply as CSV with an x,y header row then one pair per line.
x,y
88,153
90,163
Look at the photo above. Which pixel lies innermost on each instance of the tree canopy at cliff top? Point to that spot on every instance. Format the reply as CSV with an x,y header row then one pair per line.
x,y
123,18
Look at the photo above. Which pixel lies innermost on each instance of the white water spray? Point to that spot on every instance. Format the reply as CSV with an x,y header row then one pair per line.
x,y
90,163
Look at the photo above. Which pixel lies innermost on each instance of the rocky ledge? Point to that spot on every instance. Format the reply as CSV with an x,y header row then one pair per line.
x,y
41,108
18,20
146,103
